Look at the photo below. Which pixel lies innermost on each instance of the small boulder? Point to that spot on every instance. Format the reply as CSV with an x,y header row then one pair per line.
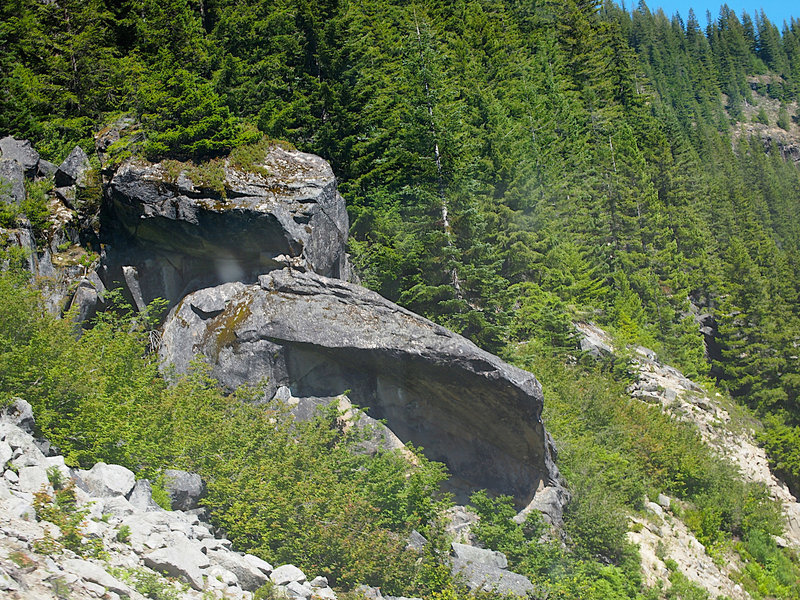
x,y
142,497
482,556
12,182
7,583
33,479
46,169
84,301
96,574
370,593
260,564
118,506
20,414
488,578
5,455
286,574
182,561
185,489
250,578
108,480
299,590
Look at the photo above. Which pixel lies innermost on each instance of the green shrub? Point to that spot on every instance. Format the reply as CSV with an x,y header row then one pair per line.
x,y
62,510
286,491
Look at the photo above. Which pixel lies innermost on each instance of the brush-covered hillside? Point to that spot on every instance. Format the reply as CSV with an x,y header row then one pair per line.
x,y
588,192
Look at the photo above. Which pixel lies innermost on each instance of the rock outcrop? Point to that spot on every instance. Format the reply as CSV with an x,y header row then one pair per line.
x,y
320,336
140,541
179,228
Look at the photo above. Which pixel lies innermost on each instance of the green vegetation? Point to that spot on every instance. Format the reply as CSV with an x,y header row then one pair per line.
x,y
147,583
509,167
62,510
318,503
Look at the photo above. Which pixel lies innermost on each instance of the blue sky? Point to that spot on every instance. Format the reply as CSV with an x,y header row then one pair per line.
x,y
776,10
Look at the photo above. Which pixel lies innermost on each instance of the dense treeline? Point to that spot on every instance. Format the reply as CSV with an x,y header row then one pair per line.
x,y
509,166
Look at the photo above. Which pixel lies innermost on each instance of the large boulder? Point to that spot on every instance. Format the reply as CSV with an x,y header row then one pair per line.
x,y
321,336
21,152
185,489
183,228
487,578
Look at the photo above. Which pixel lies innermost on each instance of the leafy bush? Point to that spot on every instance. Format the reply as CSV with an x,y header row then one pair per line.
x,y
287,491
769,571
62,510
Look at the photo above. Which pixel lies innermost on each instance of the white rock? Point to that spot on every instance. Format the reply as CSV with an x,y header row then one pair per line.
x,y
319,582
299,590
96,590
654,508
58,462
118,506
34,479
181,561
199,532
5,491
11,477
7,583
324,593
261,565
96,574
94,529
155,541
247,575
108,480
179,527
5,454
222,575
480,555
286,574
20,508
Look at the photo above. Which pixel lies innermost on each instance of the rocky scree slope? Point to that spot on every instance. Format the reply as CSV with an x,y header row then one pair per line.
x,y
127,546
662,535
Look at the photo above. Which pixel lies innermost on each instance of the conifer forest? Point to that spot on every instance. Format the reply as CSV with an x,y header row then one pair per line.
x,y
510,168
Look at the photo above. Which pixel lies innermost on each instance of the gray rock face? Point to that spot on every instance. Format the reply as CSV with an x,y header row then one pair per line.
x,y
72,170
181,235
12,181
185,489
479,576
479,555
21,152
321,336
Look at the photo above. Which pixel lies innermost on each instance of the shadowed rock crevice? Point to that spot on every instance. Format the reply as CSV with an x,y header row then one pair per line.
x,y
181,236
